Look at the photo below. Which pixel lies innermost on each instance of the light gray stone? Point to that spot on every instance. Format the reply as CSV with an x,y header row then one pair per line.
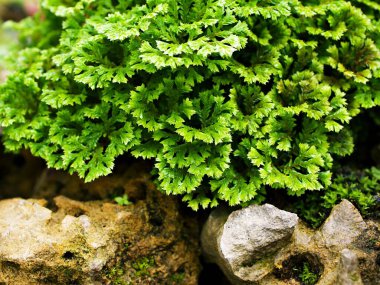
x,y
254,232
348,273
21,223
211,233
343,225
245,244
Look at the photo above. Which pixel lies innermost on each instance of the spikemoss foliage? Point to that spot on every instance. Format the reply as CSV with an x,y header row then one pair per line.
x,y
227,96
361,187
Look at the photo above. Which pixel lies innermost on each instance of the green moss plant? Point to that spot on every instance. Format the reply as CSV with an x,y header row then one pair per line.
x,y
122,200
359,187
142,265
228,97
307,276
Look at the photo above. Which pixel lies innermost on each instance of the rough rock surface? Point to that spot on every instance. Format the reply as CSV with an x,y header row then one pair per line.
x,y
345,248
97,242
244,245
368,252
349,273
343,225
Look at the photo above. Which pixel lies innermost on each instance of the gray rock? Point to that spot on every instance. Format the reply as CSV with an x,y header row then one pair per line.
x,y
258,230
23,229
212,232
343,225
349,273
262,245
245,244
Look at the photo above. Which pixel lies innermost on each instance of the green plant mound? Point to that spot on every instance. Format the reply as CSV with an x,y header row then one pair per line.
x,y
228,97
361,187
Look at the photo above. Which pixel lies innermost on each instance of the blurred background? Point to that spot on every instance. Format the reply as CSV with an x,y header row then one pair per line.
x,y
17,9
12,10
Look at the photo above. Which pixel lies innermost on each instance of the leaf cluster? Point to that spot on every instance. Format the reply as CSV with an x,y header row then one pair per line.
x,y
307,276
228,97
361,187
